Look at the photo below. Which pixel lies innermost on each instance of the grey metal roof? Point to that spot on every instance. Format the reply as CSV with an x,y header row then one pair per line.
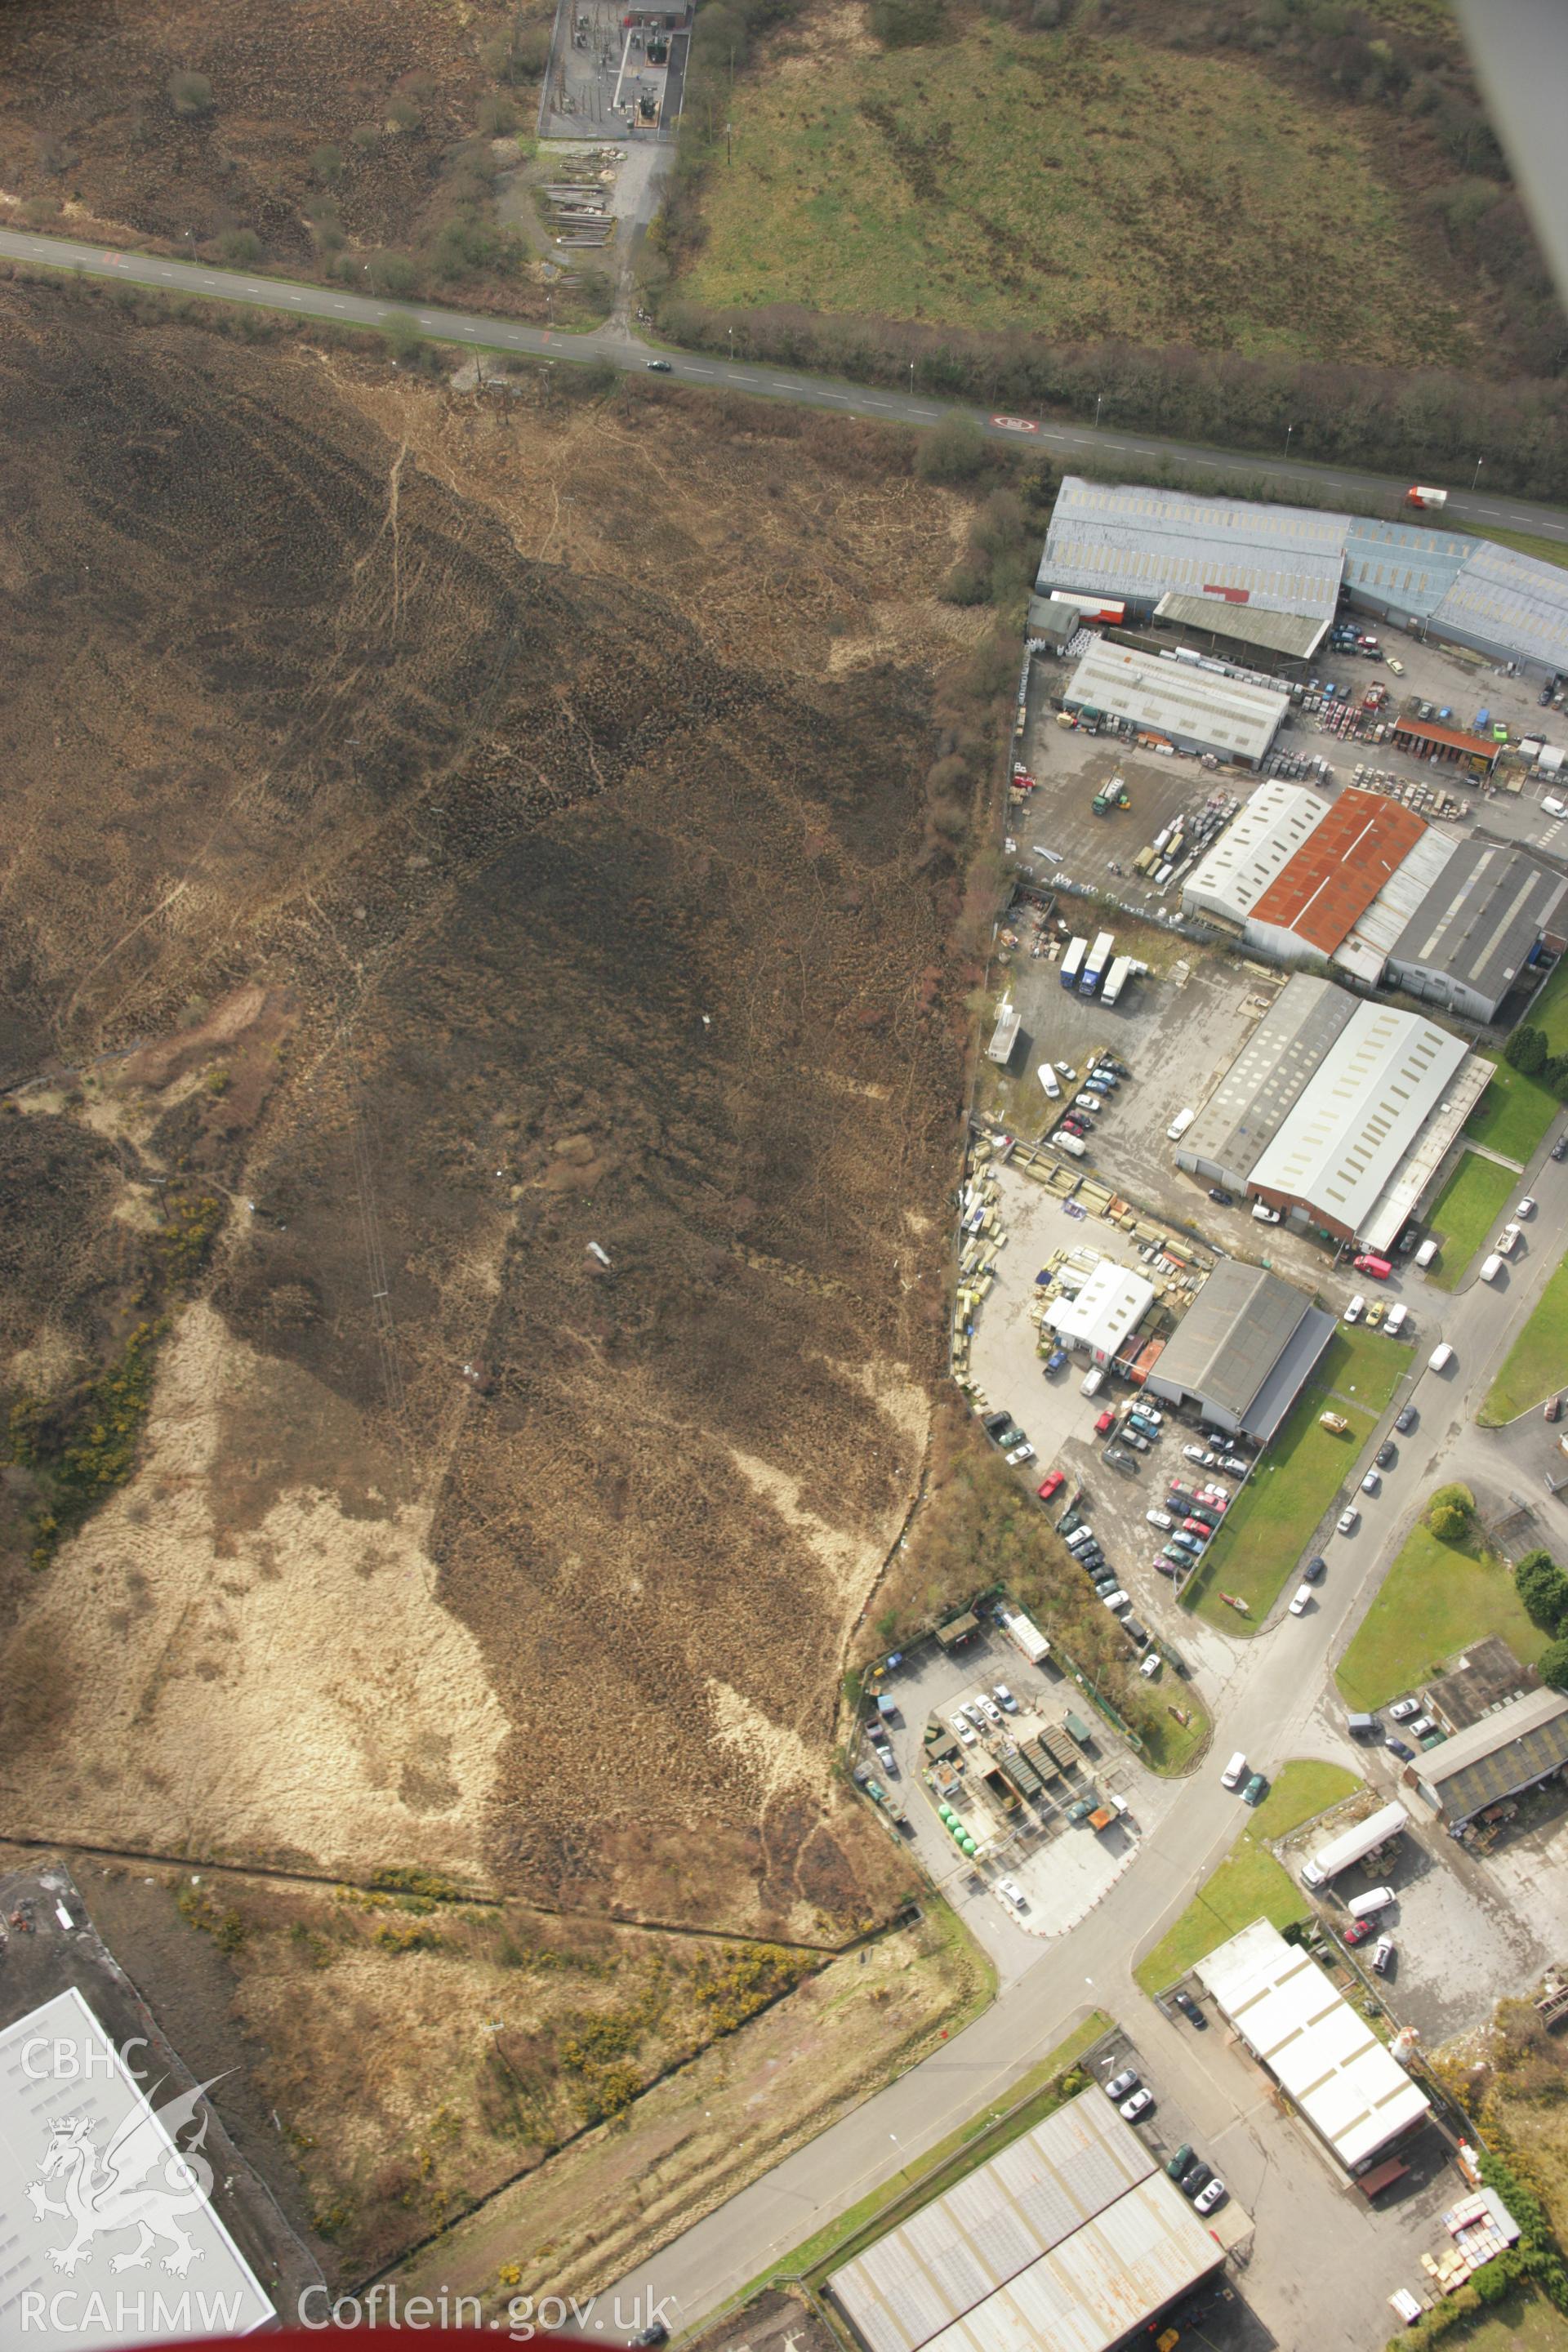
x,y
1286,1381
1481,918
1255,847
1071,2218
1519,1744
1173,698
1413,880
1404,563
1126,540
1246,1108
1235,1332
1511,600
1360,1113
1298,635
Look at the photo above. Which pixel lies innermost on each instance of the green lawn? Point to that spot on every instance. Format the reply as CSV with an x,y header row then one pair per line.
x,y
1526,2322
1249,1884
1434,1599
1513,1113
1466,1209
1268,1525
1538,1360
1075,184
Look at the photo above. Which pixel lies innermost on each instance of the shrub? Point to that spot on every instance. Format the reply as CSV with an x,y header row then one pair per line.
x,y
394,274
1542,1587
954,451
190,94
327,166
1449,1512
1553,1665
404,114
498,116
906,24
239,247
1526,1051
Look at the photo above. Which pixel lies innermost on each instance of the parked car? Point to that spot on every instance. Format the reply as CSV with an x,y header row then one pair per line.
x,y
1208,2196
1003,1697
1090,1103
1138,2104
1559,1149
1169,1564
1149,1413
1526,1208
995,1426
1301,1600
1013,1892
1231,1776
1159,1518
1383,1955
1104,1423
989,1710
1355,1310
1218,1192
1264,1214
1199,1527
1398,1747
1356,1933
964,1729
1195,2178
1051,1483
1194,1454
1423,1728
1403,1709
1315,1570
1405,1419
1347,1522
1120,2084
1190,2010
1020,1454
1255,1789
1387,1455
1373,1483
1135,1439
1176,2165
1233,1463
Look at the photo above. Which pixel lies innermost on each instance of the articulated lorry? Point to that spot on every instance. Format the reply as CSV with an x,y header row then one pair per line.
x,y
1353,1845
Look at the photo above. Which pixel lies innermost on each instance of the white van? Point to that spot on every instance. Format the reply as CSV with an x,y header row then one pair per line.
x,y
1426,1252
1367,1906
1551,807
1491,1268
1441,1359
1180,1125
1231,1777
1050,1081
1092,1382
1394,1322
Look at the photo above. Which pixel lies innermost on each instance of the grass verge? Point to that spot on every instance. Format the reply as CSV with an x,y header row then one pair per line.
x,y
1271,1519
1434,1599
1249,1884
1039,2093
1466,1209
1538,1360
1515,1111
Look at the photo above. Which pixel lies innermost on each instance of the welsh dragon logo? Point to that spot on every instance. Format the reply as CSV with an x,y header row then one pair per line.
x,y
142,2182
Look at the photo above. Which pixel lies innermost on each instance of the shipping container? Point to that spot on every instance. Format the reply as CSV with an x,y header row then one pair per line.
x,y
1072,963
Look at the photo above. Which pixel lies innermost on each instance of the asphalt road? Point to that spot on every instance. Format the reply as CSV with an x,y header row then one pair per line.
x,y
1277,1702
617,343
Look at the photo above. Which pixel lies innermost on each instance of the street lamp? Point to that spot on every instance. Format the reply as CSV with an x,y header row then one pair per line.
x,y
1098,398
1288,430
1479,463
911,379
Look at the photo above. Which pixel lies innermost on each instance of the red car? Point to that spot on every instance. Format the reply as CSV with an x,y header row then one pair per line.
x,y
1051,1483
1357,1932
1106,1420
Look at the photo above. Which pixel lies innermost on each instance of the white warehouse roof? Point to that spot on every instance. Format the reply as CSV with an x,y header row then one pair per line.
x,y
1070,2238
1106,1311
1509,600
1260,839
1318,2048
103,2095
1360,1113
1177,700
1127,539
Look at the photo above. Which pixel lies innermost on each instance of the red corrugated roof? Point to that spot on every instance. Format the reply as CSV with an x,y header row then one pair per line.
x,y
1453,739
1339,869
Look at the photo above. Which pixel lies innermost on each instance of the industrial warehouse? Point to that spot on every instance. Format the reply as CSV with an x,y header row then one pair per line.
x,y
1364,886
1243,1351
1072,2236
1337,1112
1271,578
1324,2056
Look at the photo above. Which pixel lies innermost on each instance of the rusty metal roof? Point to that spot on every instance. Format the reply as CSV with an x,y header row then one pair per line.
x,y
1339,869
1447,738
